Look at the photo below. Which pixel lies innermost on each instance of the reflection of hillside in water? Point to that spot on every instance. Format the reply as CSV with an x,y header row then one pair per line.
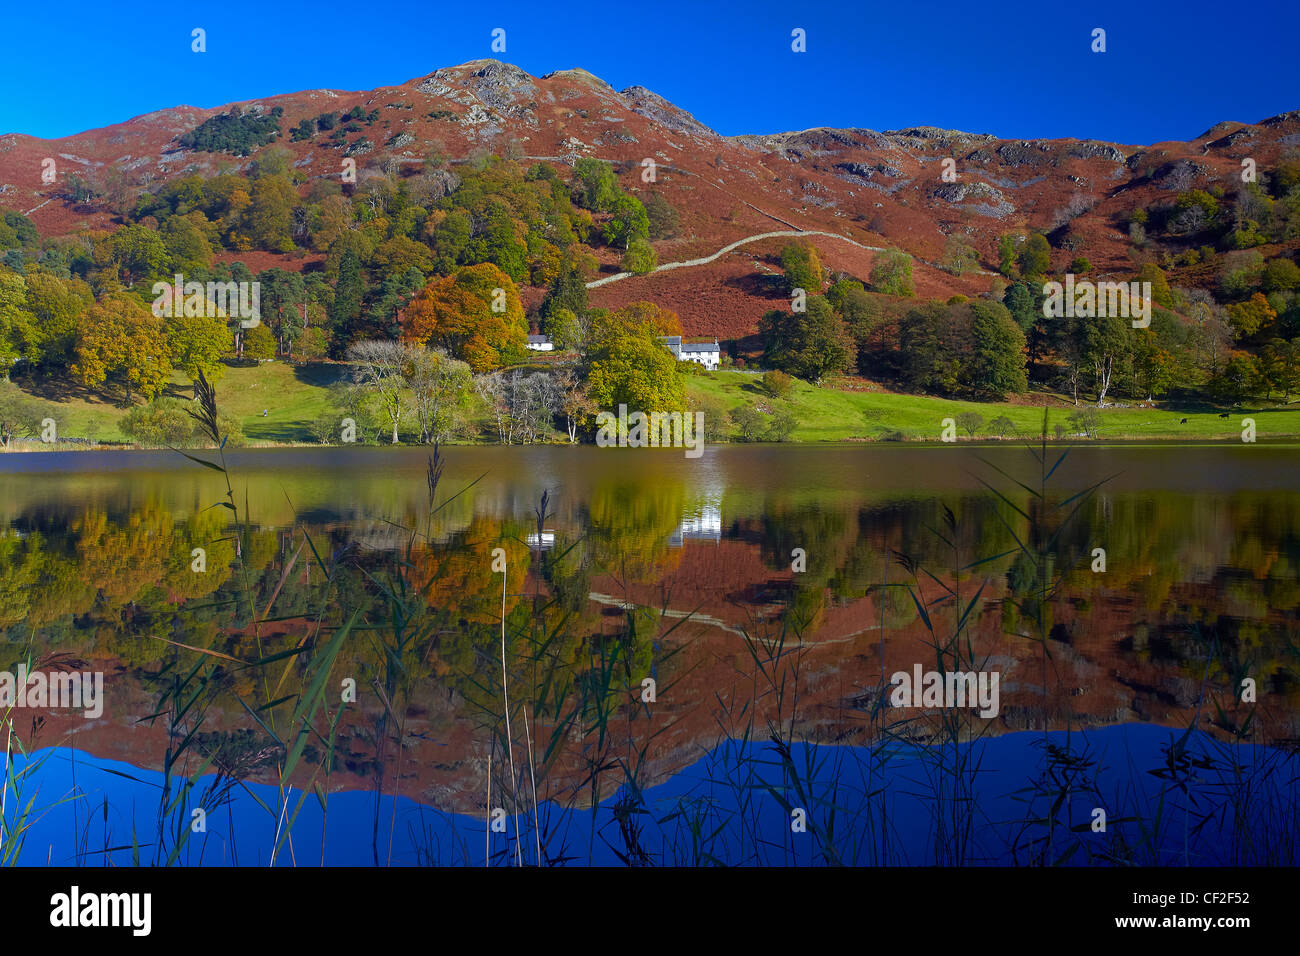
x,y
1198,592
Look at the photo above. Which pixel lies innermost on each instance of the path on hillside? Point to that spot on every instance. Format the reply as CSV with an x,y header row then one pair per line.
x,y
705,260
793,231
34,208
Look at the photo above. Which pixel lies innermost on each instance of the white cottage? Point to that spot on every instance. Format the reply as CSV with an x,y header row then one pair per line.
x,y
701,353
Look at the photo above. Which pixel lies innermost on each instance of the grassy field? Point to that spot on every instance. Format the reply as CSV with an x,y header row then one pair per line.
x,y
294,396
829,415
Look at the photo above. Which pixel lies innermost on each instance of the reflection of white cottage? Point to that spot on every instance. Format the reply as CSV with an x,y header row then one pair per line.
x,y
539,343
703,525
701,353
545,541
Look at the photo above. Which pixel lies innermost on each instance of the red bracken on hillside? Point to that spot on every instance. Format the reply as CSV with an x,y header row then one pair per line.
x,y
860,189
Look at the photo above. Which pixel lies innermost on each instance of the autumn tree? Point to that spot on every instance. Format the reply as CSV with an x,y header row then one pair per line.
x,y
1250,317
120,338
259,343
474,314
628,362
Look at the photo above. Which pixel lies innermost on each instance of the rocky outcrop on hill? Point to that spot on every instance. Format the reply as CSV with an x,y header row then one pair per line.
x,y
657,109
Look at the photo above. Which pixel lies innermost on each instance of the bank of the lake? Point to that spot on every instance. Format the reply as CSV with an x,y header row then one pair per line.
x,y
282,404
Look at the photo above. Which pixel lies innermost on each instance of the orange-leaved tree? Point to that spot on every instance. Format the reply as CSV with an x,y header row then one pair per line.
x,y
474,313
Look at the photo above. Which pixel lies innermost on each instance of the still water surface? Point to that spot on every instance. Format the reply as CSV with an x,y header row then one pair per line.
x,y
768,592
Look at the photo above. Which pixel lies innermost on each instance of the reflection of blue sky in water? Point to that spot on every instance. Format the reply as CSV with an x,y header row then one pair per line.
x,y
1008,766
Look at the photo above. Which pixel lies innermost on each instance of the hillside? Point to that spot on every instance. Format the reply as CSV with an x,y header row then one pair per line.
x,y
873,189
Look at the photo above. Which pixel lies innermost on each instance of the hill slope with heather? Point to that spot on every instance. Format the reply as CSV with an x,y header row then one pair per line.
x,y
867,189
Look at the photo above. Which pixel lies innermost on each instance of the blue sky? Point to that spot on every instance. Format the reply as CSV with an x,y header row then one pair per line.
x,y
1012,68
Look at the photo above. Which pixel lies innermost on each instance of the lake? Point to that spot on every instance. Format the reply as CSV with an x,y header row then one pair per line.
x,y
686,660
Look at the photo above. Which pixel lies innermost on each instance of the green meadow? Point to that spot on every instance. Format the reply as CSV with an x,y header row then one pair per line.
x,y
276,403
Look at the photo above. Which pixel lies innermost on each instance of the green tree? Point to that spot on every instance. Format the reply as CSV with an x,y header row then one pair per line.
x,y
1035,257
1236,381
1161,294
139,254
438,384
259,343
562,329
640,258
269,217
929,349
1008,257
1022,305
996,366
19,334
567,291
188,249
595,185
803,268
891,273
663,218
751,424
345,310
809,344
969,422
1002,426
56,306
627,223
782,425
162,422
1281,275
197,343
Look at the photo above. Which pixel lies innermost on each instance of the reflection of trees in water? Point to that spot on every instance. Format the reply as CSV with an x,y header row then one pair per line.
x,y
630,523
97,582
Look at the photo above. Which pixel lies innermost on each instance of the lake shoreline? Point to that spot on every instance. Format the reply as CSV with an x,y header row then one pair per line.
x,y
60,448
